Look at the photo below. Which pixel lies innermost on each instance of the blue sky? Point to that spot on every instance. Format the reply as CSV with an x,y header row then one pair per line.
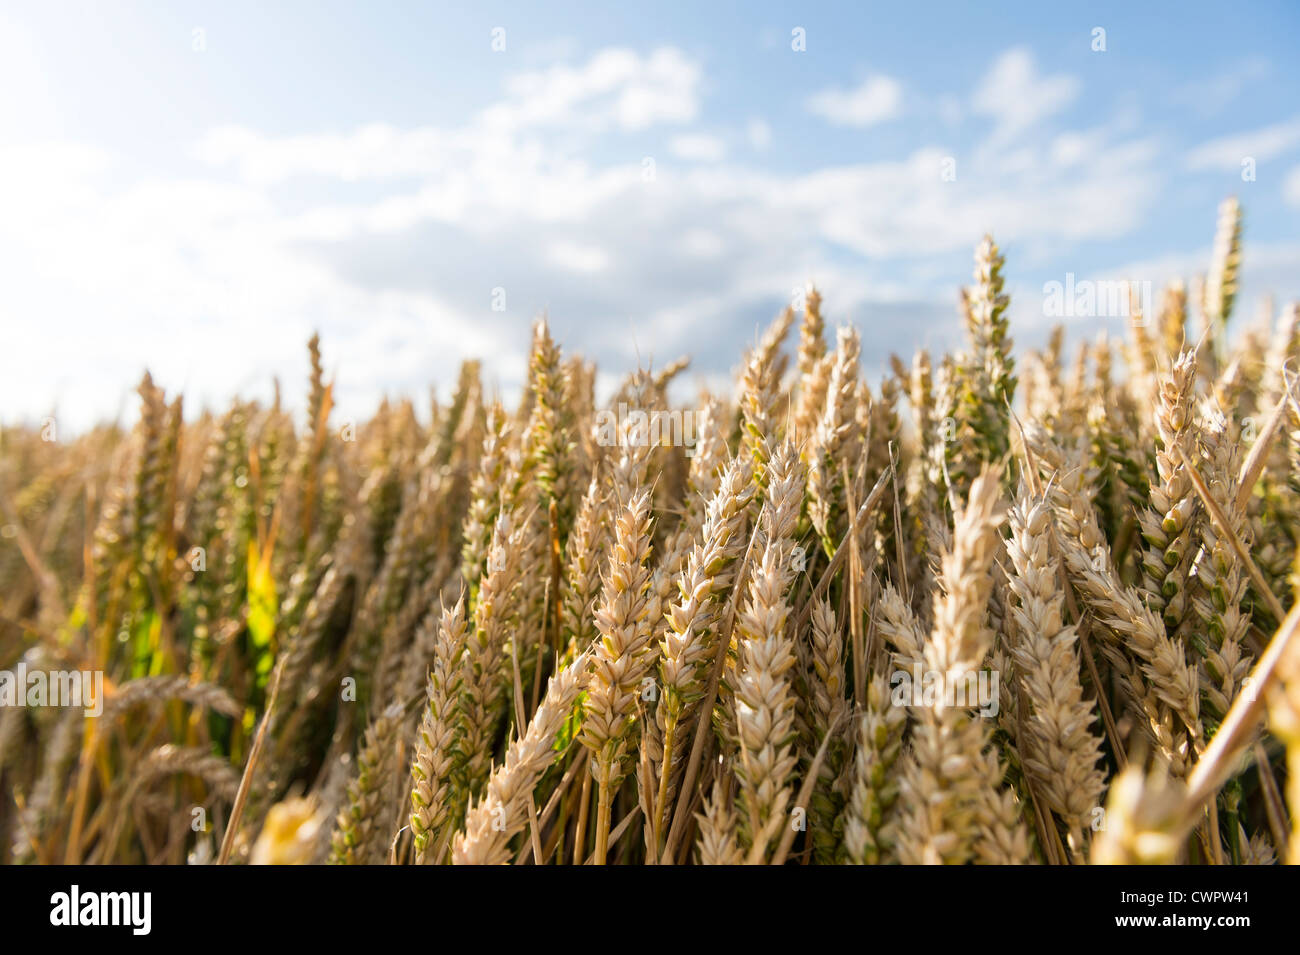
x,y
196,187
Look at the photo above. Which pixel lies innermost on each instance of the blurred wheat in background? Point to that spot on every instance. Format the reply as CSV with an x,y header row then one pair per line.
x,y
523,635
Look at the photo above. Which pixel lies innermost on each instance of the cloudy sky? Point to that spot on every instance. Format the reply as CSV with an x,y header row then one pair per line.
x,y
195,187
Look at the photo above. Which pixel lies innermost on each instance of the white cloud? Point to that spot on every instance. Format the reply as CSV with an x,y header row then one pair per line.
x,y
1017,96
1212,94
1291,187
698,147
195,278
576,257
759,134
1069,149
21,68
704,243
875,100
391,240
374,152
615,87
1227,152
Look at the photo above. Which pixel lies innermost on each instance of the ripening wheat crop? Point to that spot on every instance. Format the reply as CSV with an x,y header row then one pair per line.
x,y
998,607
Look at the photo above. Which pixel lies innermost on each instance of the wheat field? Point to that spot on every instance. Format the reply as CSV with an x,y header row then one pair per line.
x,y
997,607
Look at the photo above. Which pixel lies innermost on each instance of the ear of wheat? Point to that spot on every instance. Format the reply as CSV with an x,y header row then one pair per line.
x,y
961,613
